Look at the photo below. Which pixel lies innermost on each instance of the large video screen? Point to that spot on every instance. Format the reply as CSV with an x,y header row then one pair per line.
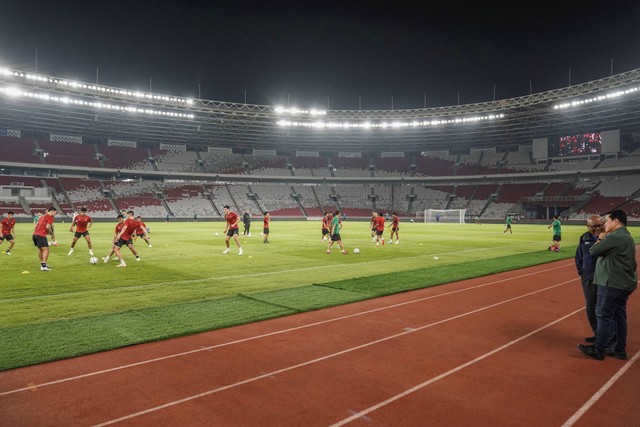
x,y
576,145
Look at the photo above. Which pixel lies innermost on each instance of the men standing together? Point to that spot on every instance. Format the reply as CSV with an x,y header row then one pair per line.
x,y
586,265
616,278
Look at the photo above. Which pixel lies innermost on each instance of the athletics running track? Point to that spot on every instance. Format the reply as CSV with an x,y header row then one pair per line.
x,y
492,351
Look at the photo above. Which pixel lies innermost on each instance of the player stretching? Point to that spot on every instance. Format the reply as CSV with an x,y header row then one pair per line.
x,y
124,238
395,227
265,228
336,226
82,222
44,227
231,230
8,231
144,230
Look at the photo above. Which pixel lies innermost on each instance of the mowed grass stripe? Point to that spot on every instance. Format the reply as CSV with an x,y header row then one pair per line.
x,y
78,308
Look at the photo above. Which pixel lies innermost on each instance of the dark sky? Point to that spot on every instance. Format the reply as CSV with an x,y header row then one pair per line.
x,y
341,50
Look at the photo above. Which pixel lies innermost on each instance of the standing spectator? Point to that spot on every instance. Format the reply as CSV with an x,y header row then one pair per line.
x,y
586,265
8,231
246,220
557,234
616,278
44,227
195,217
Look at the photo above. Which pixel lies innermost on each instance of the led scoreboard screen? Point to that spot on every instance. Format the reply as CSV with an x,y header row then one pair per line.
x,y
576,145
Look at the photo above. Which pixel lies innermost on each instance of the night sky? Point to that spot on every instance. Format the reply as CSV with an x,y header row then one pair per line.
x,y
314,53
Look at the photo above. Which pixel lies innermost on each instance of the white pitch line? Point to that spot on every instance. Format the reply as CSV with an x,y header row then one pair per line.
x,y
350,350
270,334
449,372
231,277
592,401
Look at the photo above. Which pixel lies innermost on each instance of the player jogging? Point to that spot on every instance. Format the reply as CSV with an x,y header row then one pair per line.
x,y
335,233
8,231
232,229
265,228
508,224
82,223
44,227
123,238
119,226
395,227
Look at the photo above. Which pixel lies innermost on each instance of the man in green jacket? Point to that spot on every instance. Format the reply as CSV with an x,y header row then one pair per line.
x,y
616,279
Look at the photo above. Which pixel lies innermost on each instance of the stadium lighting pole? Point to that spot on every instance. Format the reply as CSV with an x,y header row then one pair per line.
x,y
36,60
494,91
569,76
531,87
97,74
425,100
611,66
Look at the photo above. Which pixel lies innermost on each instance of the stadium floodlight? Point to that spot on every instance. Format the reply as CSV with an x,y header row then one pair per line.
x,y
386,125
599,98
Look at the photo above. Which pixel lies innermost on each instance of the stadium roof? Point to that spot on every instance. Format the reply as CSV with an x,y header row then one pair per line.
x,y
38,103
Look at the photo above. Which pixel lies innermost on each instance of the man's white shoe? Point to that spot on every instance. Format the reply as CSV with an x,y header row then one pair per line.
x,y
226,251
150,245
397,241
91,252
70,251
45,268
122,264
240,251
105,259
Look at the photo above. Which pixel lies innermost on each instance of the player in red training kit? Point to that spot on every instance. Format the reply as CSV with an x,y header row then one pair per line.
x,y
143,231
44,227
8,225
231,230
82,222
379,221
265,228
124,238
326,226
374,216
395,227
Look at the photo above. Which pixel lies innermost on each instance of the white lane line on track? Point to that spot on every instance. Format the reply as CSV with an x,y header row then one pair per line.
x,y
592,401
449,372
350,350
282,331
225,278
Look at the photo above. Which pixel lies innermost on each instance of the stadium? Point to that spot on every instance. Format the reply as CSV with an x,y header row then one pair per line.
x,y
456,323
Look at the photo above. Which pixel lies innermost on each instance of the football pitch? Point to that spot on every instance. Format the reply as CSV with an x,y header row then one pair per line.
x,y
184,284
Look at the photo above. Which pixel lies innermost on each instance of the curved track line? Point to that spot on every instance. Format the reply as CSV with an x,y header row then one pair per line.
x,y
450,372
270,334
592,401
359,347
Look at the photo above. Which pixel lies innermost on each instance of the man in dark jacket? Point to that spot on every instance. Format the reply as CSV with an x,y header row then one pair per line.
x,y
246,220
586,265
616,279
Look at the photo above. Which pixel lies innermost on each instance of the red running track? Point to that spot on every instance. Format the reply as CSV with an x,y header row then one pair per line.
x,y
495,350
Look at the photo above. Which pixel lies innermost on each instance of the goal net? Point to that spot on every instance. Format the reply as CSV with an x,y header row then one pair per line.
x,y
445,215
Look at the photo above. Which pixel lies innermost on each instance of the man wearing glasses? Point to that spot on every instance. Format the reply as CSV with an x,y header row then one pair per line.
x,y
616,278
586,265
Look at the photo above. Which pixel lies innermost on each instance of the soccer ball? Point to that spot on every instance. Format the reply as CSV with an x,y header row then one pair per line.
x,y
93,260
356,251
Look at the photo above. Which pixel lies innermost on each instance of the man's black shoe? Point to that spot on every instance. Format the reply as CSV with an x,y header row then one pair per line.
x,y
622,355
590,339
591,351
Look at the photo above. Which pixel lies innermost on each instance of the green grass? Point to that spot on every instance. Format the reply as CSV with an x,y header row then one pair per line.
x,y
184,284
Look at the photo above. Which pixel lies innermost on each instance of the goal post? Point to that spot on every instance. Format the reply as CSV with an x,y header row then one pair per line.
x,y
445,215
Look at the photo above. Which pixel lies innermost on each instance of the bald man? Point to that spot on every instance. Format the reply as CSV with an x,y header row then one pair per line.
x,y
586,265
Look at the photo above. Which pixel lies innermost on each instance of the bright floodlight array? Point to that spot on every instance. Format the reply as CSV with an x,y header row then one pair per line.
x,y
16,92
92,87
612,95
387,125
